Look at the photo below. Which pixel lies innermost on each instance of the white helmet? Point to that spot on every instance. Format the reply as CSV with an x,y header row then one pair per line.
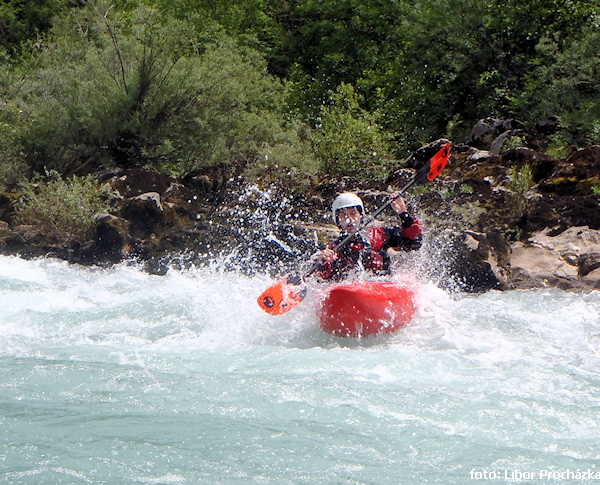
x,y
347,199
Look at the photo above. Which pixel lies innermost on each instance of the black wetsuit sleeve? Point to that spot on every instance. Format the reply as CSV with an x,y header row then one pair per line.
x,y
397,240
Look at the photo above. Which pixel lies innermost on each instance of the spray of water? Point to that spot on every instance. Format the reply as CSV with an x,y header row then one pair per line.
x,y
117,375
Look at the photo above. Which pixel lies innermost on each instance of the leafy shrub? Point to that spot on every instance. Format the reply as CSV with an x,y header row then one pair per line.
x,y
288,155
429,79
349,140
565,83
138,88
63,209
13,167
514,142
22,23
518,185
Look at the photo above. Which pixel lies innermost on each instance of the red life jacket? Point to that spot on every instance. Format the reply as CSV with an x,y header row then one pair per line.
x,y
371,254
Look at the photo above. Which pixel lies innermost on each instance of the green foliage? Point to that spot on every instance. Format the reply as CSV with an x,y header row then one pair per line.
x,y
596,189
349,140
456,190
558,150
63,209
518,185
513,142
23,23
136,88
464,61
289,154
324,44
251,22
12,164
180,84
431,67
565,82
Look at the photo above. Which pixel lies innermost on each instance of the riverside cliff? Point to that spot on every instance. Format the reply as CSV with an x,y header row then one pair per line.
x,y
497,217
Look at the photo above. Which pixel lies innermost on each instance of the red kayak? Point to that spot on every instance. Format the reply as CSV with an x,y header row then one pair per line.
x,y
364,308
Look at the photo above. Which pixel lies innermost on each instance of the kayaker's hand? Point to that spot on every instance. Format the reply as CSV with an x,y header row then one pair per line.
x,y
327,255
399,204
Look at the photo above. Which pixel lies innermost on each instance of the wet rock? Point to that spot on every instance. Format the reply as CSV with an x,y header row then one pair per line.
x,y
542,166
145,213
26,235
491,249
5,232
463,262
479,262
558,213
576,175
111,241
487,130
569,260
136,181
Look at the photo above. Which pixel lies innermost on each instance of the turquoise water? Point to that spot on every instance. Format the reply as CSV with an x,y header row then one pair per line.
x,y
117,376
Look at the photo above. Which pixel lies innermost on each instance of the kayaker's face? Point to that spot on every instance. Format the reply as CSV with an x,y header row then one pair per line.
x,y
349,218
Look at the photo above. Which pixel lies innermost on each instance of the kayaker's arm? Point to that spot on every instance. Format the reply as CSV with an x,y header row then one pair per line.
x,y
323,263
406,237
410,237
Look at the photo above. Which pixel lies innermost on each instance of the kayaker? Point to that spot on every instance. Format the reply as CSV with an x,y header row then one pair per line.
x,y
370,252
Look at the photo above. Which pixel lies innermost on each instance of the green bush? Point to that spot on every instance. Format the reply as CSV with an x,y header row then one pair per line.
x,y
518,185
434,67
138,88
349,140
62,209
23,23
289,154
13,167
565,82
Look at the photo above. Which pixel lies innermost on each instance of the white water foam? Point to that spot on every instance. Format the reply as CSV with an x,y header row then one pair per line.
x,y
118,376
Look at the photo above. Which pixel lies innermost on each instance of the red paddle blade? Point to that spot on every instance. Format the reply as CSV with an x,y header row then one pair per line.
x,y
282,296
436,164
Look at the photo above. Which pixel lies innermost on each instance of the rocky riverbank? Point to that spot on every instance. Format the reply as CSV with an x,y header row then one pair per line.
x,y
496,218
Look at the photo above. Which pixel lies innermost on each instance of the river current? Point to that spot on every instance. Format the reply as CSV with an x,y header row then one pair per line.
x,y
119,376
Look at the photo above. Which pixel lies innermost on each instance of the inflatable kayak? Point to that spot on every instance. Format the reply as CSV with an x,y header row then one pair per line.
x,y
364,308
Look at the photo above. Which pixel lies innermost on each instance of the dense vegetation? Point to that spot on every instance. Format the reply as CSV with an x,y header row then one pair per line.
x,y
339,87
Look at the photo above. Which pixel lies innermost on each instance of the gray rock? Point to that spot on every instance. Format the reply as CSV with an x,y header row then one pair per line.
x,y
569,260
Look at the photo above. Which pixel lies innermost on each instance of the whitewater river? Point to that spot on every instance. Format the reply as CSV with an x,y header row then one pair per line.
x,y
118,376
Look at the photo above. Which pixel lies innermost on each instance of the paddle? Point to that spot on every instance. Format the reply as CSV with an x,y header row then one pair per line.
x,y
288,292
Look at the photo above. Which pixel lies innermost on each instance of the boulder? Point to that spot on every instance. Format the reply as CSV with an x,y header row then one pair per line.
x,y
569,260
574,176
145,213
469,261
498,143
487,130
111,241
424,154
542,165
5,232
493,250
136,181
110,244
559,213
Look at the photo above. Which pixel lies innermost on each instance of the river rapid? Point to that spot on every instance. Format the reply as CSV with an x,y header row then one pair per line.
x,y
119,376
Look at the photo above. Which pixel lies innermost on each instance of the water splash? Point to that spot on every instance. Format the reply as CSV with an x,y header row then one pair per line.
x,y
116,375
